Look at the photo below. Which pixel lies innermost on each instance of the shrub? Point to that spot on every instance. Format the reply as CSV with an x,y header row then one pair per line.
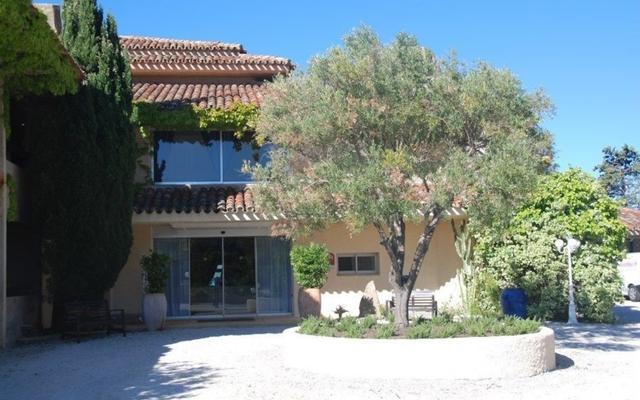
x,y
156,269
319,326
564,203
369,322
385,331
439,327
475,326
310,265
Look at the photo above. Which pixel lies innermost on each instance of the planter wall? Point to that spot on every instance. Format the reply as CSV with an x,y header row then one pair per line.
x,y
459,358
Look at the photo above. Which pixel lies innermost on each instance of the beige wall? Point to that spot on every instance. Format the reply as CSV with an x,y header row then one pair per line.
x,y
127,292
437,273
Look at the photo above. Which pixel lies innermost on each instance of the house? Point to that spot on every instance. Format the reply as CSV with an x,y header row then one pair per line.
x,y
196,205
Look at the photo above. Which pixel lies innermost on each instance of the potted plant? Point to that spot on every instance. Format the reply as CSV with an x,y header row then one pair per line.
x,y
156,270
310,267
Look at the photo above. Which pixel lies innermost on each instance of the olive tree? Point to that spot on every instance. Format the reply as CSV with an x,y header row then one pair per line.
x,y
383,134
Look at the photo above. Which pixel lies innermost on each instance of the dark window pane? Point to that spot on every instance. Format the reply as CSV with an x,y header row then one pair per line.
x,y
346,264
366,264
187,157
236,152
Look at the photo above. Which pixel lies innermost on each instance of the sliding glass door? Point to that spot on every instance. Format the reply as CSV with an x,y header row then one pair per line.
x,y
206,276
226,276
239,275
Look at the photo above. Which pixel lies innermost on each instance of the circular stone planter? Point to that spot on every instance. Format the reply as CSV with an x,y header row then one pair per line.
x,y
456,358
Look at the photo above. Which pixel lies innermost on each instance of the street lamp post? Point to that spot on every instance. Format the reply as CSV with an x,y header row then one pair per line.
x,y
572,245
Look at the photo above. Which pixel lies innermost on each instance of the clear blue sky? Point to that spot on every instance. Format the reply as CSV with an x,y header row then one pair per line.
x,y
585,54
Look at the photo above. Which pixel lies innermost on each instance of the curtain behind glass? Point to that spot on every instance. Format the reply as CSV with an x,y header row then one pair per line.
x,y
274,275
178,285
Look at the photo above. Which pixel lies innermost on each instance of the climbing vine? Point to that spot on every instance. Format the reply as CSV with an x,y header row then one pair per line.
x,y
239,118
32,59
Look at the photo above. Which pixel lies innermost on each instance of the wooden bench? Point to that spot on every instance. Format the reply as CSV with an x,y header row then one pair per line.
x,y
83,318
420,302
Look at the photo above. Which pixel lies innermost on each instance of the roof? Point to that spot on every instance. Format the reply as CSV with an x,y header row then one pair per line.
x,y
207,74
194,199
152,56
630,217
215,95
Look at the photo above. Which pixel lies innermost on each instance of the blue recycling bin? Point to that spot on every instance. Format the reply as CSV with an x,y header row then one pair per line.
x,y
514,302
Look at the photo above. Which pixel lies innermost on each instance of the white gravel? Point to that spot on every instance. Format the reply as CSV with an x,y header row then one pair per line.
x,y
595,362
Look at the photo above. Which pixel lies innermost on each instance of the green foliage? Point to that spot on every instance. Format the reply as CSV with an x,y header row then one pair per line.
x,y
372,131
474,326
12,208
569,203
485,299
369,322
318,326
239,117
310,265
32,59
82,159
438,327
620,174
156,269
385,331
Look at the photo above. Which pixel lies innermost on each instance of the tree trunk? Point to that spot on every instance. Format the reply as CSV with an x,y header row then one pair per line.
x,y
394,242
401,310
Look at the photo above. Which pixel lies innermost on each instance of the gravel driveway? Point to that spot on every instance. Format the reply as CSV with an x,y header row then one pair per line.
x,y
595,362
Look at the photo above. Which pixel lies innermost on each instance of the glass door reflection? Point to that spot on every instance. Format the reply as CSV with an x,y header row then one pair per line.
x,y
239,275
206,256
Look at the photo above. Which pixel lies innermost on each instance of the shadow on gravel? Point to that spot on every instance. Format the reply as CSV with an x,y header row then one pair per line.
x,y
598,337
159,379
563,362
621,336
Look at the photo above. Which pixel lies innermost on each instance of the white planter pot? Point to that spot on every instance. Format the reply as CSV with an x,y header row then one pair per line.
x,y
155,310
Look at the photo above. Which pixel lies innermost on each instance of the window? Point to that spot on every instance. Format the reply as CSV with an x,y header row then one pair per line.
x,y
204,157
365,264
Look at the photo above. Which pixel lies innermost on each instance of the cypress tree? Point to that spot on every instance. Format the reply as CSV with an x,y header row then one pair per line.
x,y
83,160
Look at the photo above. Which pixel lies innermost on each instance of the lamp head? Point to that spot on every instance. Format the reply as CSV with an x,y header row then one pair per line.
x,y
559,243
573,245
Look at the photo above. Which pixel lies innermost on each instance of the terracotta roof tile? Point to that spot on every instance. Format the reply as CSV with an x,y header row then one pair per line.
x,y
196,199
203,95
155,54
630,217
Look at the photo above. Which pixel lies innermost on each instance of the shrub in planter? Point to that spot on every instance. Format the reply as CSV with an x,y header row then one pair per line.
x,y
310,267
156,270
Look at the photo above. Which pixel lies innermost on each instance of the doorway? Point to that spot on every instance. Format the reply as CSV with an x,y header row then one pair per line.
x,y
227,276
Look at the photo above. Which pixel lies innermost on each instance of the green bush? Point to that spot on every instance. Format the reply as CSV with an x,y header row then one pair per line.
x,y
156,269
369,322
310,265
476,326
439,327
385,331
564,203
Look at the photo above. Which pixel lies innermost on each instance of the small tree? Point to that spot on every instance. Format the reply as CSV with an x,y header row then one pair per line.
x,y
156,269
310,265
565,203
376,134
620,174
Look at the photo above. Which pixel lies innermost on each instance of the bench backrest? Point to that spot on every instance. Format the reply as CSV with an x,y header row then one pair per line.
x,y
91,310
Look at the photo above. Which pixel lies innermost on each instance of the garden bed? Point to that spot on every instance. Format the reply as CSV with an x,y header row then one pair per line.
x,y
436,328
455,357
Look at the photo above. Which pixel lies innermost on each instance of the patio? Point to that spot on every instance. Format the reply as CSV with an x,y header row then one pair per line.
x,y
594,361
